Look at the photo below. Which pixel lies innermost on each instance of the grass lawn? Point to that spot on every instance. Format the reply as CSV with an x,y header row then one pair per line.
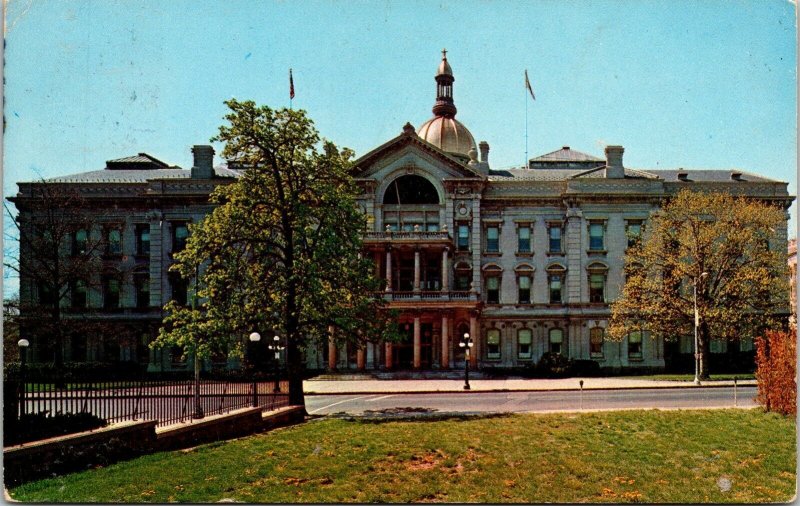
x,y
690,377
625,456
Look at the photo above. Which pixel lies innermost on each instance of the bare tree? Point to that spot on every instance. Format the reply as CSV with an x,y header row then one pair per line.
x,y
58,261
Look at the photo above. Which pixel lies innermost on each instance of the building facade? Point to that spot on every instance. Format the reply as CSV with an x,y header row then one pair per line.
x,y
524,260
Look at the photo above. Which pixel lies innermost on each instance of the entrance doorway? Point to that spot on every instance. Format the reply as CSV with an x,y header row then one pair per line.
x,y
403,350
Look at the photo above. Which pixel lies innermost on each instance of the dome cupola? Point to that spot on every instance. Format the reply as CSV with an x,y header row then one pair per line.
x,y
443,130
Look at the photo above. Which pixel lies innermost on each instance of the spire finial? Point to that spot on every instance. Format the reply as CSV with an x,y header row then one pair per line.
x,y
444,54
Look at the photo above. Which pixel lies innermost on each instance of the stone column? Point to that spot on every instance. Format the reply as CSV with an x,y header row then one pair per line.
x,y
388,270
377,256
331,350
389,355
445,271
361,362
416,270
417,343
473,333
444,359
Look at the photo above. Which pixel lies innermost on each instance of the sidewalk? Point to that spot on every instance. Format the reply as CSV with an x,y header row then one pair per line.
x,y
376,386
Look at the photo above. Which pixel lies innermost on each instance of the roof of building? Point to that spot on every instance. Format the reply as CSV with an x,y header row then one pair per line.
x,y
710,175
566,154
136,175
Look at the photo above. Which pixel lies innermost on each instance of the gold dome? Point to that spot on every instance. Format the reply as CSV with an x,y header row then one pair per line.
x,y
447,134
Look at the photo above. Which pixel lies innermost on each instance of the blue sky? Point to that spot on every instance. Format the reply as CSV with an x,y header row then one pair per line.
x,y
689,84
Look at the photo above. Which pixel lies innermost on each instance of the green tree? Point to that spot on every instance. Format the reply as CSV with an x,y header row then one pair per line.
x,y
729,248
281,251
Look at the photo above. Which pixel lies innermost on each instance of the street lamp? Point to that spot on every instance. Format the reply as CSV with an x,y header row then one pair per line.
x,y
276,346
23,354
466,343
697,324
254,338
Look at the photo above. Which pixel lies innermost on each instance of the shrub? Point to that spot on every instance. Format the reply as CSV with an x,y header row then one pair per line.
x,y
586,368
776,371
554,365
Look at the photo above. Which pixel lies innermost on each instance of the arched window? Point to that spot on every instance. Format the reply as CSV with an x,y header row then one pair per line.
x,y
556,273
493,344
409,190
524,341
597,282
492,273
463,276
524,282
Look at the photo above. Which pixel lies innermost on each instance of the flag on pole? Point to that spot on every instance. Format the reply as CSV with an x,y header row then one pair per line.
x,y
528,85
291,85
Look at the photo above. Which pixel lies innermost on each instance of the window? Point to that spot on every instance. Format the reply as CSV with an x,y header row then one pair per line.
x,y
556,340
463,237
554,233
525,289
143,239
524,340
78,294
524,239
432,227
596,236
597,288
635,345
463,276
46,295
492,240
180,289
111,289
180,232
493,344
596,337
555,287
633,229
493,290
79,242
113,241
142,282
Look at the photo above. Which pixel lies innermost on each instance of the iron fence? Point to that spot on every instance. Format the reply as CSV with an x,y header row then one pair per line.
x,y
167,401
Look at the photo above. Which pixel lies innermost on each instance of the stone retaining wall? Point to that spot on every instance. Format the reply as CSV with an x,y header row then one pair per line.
x,y
126,440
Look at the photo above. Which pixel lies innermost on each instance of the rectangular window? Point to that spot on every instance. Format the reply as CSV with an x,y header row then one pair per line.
x,y
493,344
556,340
524,239
492,240
142,282
78,294
597,288
180,289
596,337
635,345
633,229
113,241
462,281
463,237
143,239
46,295
493,290
555,289
596,236
180,232
111,289
524,340
525,289
554,233
80,241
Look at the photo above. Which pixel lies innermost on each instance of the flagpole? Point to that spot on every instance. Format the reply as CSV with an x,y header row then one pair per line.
x,y
291,88
525,165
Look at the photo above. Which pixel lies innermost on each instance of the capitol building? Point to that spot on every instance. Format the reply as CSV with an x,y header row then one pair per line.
x,y
524,260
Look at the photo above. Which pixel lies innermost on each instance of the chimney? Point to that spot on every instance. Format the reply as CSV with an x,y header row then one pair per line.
x,y
614,169
484,147
203,162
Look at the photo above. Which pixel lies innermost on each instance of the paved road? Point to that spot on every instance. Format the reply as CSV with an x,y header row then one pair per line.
x,y
522,402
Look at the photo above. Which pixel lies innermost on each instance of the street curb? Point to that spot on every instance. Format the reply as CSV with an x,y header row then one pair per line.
x,y
426,392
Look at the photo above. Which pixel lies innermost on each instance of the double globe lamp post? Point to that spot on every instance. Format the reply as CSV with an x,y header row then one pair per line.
x,y
23,355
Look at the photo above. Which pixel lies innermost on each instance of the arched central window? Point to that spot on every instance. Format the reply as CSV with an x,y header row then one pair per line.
x,y
411,190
